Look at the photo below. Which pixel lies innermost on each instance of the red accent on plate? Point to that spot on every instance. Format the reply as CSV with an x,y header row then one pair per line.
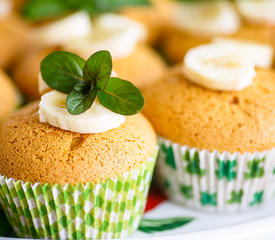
x,y
154,199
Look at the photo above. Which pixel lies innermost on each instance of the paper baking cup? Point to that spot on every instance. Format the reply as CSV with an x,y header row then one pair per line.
x,y
214,181
109,209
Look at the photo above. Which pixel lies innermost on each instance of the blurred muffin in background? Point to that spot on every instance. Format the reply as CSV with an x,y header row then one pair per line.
x,y
154,18
18,4
151,17
215,117
8,96
193,23
26,70
13,32
259,21
123,37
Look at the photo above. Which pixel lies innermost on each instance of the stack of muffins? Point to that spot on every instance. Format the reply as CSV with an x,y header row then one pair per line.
x,y
77,162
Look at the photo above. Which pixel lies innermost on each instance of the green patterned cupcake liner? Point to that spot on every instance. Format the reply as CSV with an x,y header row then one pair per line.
x,y
109,209
220,182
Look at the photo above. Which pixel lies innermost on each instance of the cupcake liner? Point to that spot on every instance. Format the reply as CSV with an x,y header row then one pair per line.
x,y
214,181
109,209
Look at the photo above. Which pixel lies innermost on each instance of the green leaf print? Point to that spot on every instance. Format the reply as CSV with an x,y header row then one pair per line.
x,y
186,191
158,225
169,159
208,199
236,197
258,198
226,169
254,169
193,166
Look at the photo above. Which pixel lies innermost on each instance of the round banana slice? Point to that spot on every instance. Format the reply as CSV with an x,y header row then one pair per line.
x,y
206,18
260,54
258,11
97,119
75,26
117,34
42,85
5,8
217,66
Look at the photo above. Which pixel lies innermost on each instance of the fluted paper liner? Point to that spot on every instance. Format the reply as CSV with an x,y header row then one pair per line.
x,y
214,181
109,209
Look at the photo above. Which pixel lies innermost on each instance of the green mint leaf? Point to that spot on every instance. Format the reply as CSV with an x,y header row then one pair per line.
x,y
121,97
80,98
62,70
98,68
100,6
37,10
95,7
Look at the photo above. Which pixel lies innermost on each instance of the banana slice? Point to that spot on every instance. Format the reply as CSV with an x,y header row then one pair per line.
x,y
65,30
97,119
258,11
216,66
112,32
5,8
42,85
206,18
260,54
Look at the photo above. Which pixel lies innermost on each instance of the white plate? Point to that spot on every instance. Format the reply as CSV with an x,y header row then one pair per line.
x,y
258,224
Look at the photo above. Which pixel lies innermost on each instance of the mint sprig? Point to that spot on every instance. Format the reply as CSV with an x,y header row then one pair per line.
x,y
84,81
37,10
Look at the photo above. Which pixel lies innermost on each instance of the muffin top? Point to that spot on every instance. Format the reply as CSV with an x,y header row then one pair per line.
x,y
236,121
7,95
38,152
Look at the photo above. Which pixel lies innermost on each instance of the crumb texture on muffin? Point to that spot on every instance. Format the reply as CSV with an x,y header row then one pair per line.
x,y
37,152
190,115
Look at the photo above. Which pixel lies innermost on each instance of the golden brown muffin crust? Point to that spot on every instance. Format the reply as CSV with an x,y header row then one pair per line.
x,y
37,152
241,121
8,99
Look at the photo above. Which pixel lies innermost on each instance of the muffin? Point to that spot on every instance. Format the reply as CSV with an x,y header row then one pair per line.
x,y
90,172
193,24
8,96
142,67
150,17
259,23
215,131
131,56
14,39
